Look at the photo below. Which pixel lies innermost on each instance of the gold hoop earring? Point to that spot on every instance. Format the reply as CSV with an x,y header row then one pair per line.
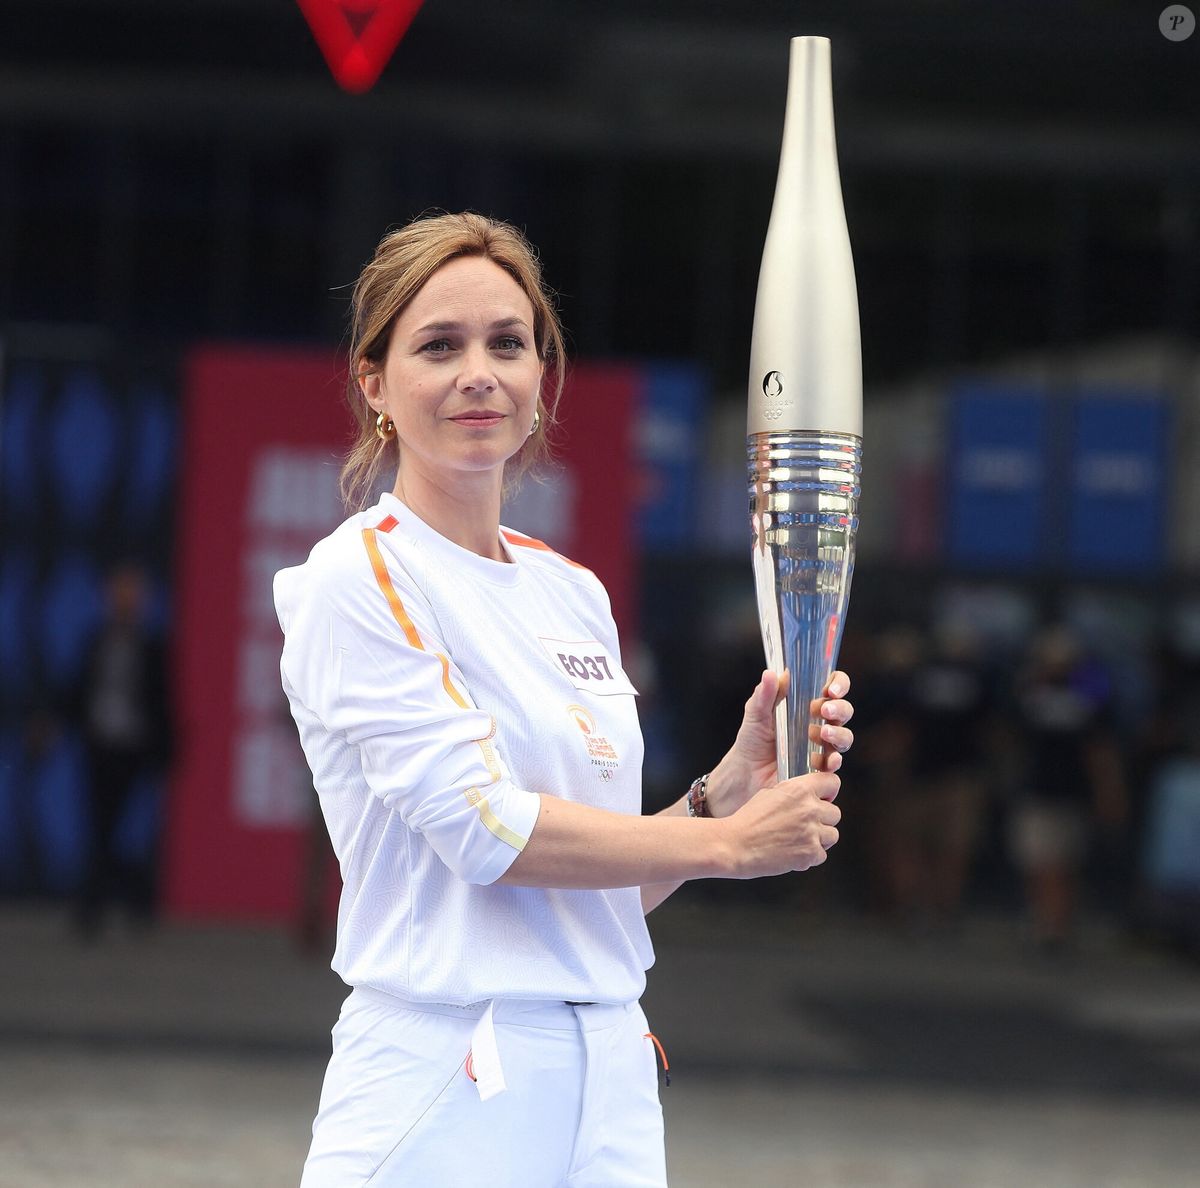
x,y
385,427
537,421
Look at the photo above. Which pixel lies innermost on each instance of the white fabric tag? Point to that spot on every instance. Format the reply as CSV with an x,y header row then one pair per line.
x,y
485,1057
588,665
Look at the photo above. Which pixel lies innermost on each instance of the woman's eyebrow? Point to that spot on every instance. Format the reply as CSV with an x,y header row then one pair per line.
x,y
445,327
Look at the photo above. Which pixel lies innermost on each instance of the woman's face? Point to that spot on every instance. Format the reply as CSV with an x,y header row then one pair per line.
x,y
462,374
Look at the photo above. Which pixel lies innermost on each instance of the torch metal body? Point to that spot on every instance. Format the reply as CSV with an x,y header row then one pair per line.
x,y
804,426
803,501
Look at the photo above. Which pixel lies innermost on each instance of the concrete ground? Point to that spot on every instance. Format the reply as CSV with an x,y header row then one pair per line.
x,y
837,1055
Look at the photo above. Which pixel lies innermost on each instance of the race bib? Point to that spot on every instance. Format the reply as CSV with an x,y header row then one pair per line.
x,y
588,665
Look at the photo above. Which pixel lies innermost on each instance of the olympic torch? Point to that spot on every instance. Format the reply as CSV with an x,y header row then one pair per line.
x,y
804,430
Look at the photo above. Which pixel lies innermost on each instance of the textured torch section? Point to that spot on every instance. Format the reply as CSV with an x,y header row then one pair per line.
x,y
804,490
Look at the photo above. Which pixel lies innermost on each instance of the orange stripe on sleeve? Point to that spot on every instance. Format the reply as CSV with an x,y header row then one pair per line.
x,y
397,607
384,579
448,684
389,591
529,542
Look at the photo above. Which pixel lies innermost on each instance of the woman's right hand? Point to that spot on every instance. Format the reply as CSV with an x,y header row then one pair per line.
x,y
788,826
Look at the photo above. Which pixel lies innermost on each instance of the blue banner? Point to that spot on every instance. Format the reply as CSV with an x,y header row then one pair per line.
x,y
669,444
1171,856
997,477
1118,483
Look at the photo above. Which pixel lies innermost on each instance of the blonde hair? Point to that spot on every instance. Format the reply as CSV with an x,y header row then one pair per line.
x,y
402,263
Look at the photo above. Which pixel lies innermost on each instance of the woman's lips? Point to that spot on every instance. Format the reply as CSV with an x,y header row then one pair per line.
x,y
478,420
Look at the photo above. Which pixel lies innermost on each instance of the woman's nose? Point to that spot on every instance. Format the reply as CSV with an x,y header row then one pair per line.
x,y
476,374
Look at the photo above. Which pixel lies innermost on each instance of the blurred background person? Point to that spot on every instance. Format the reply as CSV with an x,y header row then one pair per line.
x,y
1173,729
122,706
1072,784
935,706
1165,894
940,817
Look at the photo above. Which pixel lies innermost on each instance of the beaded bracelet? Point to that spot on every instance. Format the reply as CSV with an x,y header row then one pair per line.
x,y
697,797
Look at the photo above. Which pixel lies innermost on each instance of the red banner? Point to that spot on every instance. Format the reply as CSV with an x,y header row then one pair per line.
x,y
584,505
264,434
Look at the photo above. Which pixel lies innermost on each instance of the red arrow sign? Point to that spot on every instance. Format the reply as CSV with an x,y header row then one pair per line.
x,y
358,37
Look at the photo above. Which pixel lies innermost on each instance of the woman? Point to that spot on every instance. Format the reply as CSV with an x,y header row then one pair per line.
x,y
460,698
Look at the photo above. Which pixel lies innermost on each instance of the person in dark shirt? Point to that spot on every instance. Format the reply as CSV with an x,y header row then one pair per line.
x,y
1072,778
122,706
937,805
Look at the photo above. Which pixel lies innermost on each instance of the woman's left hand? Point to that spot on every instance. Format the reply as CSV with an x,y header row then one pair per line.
x,y
750,763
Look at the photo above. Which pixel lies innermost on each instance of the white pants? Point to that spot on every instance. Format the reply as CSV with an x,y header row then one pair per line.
x,y
398,1107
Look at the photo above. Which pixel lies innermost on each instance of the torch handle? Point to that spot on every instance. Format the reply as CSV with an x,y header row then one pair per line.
x,y
804,490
